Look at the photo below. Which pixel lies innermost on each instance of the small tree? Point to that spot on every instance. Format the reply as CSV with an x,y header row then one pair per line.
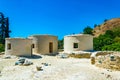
x,y
4,28
95,25
88,30
60,44
105,20
2,47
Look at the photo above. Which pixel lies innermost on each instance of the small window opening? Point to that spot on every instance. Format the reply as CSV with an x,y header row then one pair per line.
x,y
9,46
75,45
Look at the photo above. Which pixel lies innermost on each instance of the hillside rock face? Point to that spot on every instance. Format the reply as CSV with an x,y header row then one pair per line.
x,y
108,25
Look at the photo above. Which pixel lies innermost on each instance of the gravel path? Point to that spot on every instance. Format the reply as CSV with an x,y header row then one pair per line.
x,y
58,69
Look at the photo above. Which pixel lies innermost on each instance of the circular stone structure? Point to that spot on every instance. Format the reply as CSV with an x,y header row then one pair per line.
x,y
78,42
44,44
18,46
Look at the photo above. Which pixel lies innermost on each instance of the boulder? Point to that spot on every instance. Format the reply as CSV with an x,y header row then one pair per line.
x,y
21,60
39,68
27,62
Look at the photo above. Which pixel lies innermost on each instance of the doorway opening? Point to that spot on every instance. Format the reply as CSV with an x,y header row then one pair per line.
x,y
9,46
32,47
51,47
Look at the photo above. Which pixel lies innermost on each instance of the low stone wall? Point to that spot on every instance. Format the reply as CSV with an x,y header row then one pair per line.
x,y
104,53
107,60
94,55
92,60
100,53
84,55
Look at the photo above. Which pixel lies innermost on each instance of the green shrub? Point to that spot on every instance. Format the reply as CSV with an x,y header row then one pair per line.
x,y
102,41
112,47
2,47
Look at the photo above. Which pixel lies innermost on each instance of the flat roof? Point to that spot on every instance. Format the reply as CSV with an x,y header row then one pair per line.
x,y
73,35
42,35
19,38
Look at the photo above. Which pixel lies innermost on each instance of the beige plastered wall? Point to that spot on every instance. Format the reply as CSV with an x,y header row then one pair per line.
x,y
41,43
19,47
85,42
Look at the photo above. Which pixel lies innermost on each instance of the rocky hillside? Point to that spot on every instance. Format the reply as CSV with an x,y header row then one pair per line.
x,y
108,25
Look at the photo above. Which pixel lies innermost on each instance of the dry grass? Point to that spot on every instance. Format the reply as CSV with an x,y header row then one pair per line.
x,y
85,55
104,53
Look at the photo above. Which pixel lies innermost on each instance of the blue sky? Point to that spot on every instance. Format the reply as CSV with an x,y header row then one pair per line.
x,y
56,17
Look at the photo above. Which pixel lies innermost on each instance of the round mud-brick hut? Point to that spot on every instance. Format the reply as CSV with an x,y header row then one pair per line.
x,y
18,46
78,42
45,44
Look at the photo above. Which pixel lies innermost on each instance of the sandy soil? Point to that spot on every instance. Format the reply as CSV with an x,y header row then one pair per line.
x,y
59,69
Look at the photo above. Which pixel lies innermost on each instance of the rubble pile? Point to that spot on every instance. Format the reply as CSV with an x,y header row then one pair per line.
x,y
23,61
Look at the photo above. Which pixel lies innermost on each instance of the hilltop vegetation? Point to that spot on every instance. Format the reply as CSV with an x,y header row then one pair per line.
x,y
106,35
107,25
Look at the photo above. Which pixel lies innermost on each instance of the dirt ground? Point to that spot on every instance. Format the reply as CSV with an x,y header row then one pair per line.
x,y
58,69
